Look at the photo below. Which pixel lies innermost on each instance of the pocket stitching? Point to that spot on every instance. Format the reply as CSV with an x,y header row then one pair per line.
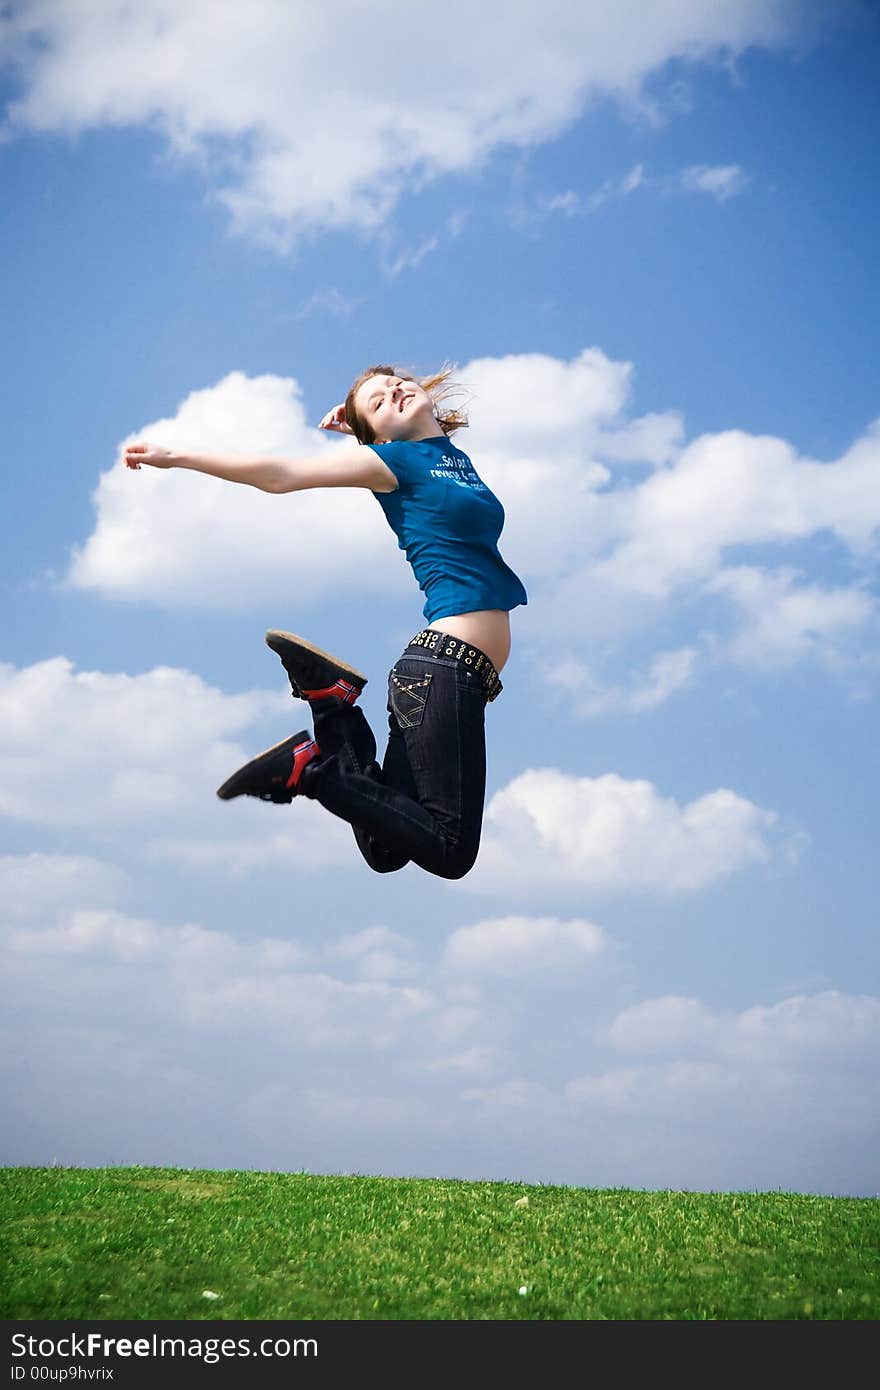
x,y
412,718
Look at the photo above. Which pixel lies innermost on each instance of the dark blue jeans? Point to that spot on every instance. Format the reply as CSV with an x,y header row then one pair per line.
x,y
425,803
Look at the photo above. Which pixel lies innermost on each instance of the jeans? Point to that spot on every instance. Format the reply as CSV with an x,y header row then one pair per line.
x,y
425,803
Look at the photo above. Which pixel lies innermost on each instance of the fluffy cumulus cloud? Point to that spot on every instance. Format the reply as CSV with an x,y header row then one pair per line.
x,y
803,1030
730,490
137,760
619,519
532,412
378,953
586,694
207,980
808,1027
550,832
146,753
39,885
509,945
713,1099
782,620
179,538
337,1001
360,1051
309,116
657,1025
766,1054
132,755
176,538
610,514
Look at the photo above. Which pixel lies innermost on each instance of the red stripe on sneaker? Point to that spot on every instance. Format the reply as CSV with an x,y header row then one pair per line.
x,y
303,754
344,690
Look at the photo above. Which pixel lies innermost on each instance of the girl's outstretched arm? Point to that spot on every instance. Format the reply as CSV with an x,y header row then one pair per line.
x,y
344,468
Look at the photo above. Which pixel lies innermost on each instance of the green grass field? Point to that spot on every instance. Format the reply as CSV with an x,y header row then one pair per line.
x,y
148,1242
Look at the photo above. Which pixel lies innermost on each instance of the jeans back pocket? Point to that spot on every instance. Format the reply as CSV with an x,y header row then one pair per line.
x,y
408,696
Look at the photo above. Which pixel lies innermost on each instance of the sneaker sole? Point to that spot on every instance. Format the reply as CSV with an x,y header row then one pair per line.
x,y
279,640
232,786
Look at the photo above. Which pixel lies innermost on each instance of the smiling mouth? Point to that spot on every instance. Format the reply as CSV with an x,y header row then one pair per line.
x,y
404,399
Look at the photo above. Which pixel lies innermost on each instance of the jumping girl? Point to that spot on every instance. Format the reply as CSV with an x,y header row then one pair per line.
x,y
425,803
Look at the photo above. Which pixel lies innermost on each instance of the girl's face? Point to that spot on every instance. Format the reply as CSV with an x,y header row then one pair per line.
x,y
396,408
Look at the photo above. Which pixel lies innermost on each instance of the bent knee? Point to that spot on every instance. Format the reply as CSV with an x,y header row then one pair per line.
x,y
459,861
386,866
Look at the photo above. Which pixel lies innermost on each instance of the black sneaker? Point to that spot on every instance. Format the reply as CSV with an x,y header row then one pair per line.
x,y
273,775
312,672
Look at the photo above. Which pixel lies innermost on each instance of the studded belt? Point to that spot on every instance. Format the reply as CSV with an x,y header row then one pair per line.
x,y
437,643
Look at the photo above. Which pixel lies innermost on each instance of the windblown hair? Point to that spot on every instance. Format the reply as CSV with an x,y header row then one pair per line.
x,y
439,385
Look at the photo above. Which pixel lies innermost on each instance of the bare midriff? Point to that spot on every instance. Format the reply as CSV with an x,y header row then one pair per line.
x,y
488,629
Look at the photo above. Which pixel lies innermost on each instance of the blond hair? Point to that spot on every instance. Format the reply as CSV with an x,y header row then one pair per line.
x,y
440,386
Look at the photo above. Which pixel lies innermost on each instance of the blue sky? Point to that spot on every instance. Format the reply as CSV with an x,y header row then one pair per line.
x,y
648,249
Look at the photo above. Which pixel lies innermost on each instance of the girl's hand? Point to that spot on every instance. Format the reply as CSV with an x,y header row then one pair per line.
x,y
335,420
153,454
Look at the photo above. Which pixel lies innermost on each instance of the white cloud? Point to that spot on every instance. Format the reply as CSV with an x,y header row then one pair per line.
x,y
654,438
659,1025
664,544
797,1030
668,673
567,202
539,431
613,189
174,537
475,1061
684,1095
196,953
307,838
783,622
146,753
409,258
722,181
129,753
207,980
304,117
41,885
534,401
112,935
806,1028
314,1010
330,302
509,945
550,831
609,515
620,551
782,1097
735,489
377,952
355,945
518,1096
204,1048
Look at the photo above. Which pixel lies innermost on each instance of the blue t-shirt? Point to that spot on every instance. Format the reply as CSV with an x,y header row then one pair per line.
x,y
448,522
